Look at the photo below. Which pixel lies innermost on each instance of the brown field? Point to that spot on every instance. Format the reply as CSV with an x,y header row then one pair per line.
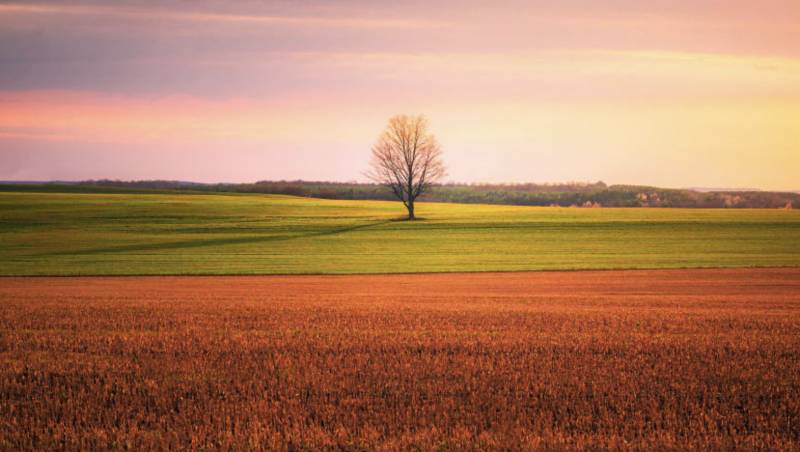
x,y
612,359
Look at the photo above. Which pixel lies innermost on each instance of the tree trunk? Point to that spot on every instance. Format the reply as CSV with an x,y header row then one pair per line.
x,y
411,210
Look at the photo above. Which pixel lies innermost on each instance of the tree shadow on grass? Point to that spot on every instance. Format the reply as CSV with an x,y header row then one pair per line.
x,y
182,244
406,220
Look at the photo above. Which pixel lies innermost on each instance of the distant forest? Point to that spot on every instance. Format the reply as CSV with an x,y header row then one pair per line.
x,y
573,194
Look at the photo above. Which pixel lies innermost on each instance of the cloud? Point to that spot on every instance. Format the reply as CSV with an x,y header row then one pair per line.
x,y
201,16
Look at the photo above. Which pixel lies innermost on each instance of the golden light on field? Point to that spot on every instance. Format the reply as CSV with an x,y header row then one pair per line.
x,y
376,225
650,360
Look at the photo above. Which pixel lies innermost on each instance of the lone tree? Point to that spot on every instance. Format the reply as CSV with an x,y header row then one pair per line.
x,y
407,159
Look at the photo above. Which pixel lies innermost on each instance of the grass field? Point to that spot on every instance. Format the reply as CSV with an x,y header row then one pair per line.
x,y
139,234
633,360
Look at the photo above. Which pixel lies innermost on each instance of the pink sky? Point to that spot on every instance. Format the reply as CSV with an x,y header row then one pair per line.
x,y
671,93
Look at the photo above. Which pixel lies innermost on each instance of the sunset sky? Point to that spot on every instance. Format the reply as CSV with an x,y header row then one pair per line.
x,y
677,93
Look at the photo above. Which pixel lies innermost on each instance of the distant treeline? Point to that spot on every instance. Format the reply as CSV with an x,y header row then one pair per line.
x,y
573,194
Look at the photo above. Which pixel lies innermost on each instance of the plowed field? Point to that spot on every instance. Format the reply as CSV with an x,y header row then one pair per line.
x,y
622,359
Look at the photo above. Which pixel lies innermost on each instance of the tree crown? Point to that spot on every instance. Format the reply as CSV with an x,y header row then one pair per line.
x,y
407,158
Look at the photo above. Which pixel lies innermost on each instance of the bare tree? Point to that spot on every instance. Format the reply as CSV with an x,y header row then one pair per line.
x,y
407,159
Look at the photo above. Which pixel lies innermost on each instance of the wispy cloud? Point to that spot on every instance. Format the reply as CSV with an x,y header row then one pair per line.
x,y
200,16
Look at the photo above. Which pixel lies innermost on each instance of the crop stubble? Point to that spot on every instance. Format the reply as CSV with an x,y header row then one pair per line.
x,y
629,359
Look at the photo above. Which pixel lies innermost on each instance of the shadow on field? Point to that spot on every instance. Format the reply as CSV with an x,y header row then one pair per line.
x,y
213,242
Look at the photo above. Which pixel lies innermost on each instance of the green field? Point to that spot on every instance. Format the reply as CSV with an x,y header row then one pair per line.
x,y
137,233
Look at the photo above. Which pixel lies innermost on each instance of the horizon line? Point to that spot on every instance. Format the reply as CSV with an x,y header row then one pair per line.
x,y
577,182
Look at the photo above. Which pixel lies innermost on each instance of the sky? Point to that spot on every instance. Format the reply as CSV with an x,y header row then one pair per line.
x,y
678,93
